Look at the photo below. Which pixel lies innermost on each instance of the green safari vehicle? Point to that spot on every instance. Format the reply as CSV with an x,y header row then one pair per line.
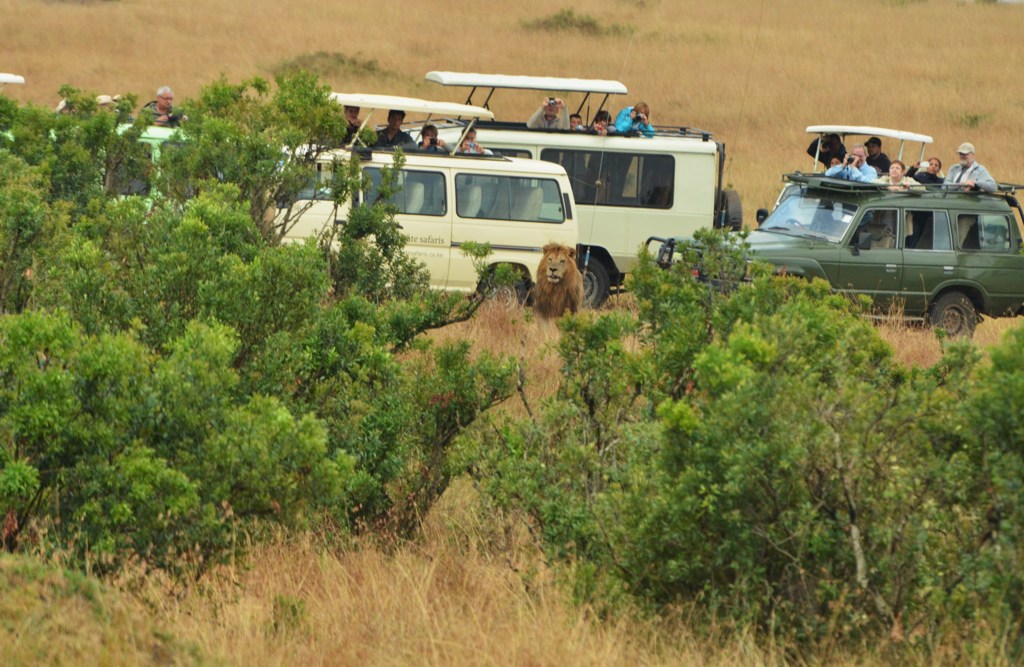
x,y
941,254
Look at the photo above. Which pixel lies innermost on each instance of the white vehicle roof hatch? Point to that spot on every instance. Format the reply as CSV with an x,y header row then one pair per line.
x,y
429,108
6,78
604,87
863,130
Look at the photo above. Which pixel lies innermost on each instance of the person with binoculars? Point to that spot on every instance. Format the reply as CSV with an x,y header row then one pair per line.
x,y
854,167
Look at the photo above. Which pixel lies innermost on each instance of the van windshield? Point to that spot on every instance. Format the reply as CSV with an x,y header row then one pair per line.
x,y
811,215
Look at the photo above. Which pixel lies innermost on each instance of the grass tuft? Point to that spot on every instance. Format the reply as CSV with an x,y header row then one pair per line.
x,y
331,63
567,20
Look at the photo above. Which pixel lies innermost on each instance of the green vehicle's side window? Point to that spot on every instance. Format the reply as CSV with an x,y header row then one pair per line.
x,y
994,233
879,227
928,230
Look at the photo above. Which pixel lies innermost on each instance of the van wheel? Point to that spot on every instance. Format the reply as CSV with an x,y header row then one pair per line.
x,y
733,211
595,284
955,314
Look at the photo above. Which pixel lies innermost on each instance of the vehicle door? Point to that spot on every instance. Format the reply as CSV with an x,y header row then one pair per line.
x,y
990,257
928,257
516,214
313,210
423,216
872,263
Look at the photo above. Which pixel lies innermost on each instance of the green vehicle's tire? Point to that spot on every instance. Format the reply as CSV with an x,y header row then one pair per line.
x,y
955,314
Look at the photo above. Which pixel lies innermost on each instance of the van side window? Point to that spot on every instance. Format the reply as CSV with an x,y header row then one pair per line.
x,y
994,233
511,152
508,198
420,193
928,230
608,178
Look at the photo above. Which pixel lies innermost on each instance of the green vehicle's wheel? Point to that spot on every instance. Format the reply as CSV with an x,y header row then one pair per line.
x,y
955,314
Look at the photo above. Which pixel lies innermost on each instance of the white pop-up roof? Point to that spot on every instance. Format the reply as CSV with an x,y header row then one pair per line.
x,y
863,130
6,78
371,103
410,105
550,84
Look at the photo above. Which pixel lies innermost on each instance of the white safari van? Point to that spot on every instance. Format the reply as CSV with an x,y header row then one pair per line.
x,y
446,200
627,188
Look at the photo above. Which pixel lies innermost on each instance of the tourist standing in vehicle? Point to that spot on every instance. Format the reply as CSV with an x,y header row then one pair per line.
x,y
876,158
393,135
470,145
603,123
854,167
932,174
552,115
429,143
831,149
352,118
163,111
969,174
897,178
636,118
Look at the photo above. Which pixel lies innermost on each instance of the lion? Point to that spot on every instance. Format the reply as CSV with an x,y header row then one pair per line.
x,y
559,283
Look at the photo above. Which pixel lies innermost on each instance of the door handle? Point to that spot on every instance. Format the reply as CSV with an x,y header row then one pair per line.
x,y
890,268
948,270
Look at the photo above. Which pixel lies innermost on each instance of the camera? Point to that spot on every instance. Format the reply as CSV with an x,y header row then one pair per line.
x,y
850,159
433,141
551,101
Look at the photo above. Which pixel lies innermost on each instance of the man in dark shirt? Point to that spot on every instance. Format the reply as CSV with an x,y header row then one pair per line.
x,y
831,149
164,114
876,158
392,135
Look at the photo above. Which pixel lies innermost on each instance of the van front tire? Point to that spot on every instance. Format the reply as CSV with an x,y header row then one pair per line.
x,y
596,284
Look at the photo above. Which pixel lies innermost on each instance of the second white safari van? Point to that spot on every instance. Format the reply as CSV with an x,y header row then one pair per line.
x,y
446,201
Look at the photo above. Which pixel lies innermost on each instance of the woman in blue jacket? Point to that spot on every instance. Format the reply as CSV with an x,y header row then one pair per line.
x,y
635,119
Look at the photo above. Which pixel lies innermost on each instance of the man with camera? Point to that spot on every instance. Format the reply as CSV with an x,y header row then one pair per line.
x,y
164,114
854,167
552,115
635,119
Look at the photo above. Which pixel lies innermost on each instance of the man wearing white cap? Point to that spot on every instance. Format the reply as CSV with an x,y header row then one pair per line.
x,y
969,174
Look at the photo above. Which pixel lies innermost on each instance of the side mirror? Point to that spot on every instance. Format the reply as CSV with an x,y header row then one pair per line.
x,y
864,242
762,214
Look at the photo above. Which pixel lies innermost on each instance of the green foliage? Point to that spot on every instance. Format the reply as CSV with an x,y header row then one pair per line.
x,y
762,454
567,20
266,147
85,154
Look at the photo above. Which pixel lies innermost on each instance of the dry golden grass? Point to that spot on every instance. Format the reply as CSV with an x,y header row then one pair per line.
x,y
756,72
459,596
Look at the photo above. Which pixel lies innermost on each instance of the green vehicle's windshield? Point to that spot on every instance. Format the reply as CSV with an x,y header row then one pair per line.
x,y
812,215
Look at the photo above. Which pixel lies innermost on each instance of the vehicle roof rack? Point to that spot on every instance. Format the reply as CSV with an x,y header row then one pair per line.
x,y
823,182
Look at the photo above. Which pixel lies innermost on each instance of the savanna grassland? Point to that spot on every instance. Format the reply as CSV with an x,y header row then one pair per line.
x,y
754,72
475,586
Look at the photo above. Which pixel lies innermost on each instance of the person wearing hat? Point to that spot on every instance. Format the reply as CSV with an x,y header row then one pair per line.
x,y
393,135
876,158
968,174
